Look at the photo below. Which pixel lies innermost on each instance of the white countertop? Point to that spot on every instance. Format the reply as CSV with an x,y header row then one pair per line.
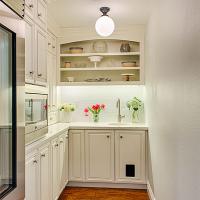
x,y
55,129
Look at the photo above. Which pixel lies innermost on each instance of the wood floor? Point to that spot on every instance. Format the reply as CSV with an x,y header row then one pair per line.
x,y
74,193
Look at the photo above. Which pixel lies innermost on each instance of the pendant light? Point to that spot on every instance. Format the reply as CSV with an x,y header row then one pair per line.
x,y
105,25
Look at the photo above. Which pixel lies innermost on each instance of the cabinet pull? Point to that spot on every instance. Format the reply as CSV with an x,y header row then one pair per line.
x,y
49,43
53,47
121,136
56,145
35,161
43,155
61,141
31,72
108,136
39,14
31,6
39,75
36,127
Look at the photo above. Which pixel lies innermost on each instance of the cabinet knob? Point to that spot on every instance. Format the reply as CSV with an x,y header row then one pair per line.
x,y
36,127
56,145
35,161
43,155
108,136
39,14
53,47
49,43
39,75
31,72
31,6
121,136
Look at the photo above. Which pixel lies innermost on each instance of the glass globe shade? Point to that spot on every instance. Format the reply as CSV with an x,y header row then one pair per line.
x,y
104,26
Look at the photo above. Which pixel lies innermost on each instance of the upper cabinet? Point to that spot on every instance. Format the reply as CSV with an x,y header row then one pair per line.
x,y
101,62
36,42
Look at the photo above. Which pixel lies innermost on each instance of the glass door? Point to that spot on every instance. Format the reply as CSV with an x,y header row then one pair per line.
x,y
7,110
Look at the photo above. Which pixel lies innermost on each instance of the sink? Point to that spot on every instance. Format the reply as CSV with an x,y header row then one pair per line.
x,y
119,124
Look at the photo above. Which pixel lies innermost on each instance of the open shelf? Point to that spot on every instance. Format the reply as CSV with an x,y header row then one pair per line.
x,y
100,54
99,69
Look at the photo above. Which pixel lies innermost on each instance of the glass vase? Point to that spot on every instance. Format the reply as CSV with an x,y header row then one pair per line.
x,y
96,117
135,117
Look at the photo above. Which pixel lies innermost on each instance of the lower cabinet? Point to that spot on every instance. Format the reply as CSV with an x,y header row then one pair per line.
x,y
99,151
116,156
46,174
130,156
76,155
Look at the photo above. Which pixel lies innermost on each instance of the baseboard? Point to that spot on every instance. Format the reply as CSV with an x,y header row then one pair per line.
x,y
107,185
150,191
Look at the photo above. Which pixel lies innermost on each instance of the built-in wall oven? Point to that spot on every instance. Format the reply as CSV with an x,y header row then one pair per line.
x,y
36,111
12,98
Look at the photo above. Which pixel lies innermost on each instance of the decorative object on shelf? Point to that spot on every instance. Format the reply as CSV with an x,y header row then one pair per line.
x,y
125,47
66,112
75,50
136,106
98,80
95,59
67,64
100,46
95,110
105,25
70,79
129,64
127,76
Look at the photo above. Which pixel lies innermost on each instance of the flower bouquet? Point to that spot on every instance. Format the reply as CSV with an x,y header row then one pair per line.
x,y
135,106
65,112
95,110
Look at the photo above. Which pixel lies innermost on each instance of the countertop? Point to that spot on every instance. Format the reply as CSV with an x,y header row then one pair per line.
x,y
56,129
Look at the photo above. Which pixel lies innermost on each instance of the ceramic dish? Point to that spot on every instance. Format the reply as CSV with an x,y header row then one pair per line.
x,y
74,50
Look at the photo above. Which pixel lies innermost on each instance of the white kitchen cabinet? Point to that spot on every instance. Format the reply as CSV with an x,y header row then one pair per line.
x,y
62,162
130,156
41,56
51,63
76,155
45,172
29,50
32,178
55,168
30,6
99,145
66,158
41,14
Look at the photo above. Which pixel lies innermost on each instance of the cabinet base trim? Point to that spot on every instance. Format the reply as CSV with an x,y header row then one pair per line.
x,y
107,185
150,192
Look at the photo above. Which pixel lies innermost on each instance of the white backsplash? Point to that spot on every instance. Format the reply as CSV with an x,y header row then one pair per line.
x,y
83,96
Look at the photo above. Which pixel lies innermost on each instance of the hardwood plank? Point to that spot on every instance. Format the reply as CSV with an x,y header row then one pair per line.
x,y
76,193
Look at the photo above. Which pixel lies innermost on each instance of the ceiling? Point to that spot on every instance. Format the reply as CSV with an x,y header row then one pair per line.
x,y
83,13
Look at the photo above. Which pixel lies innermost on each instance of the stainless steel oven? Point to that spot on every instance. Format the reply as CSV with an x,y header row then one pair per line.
x,y
12,98
36,110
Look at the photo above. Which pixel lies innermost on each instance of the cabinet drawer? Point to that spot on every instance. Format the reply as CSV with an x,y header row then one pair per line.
x,y
41,14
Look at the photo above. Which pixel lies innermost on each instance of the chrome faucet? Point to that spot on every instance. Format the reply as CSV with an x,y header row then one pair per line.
x,y
119,117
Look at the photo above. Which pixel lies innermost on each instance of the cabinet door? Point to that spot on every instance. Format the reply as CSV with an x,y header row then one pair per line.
x,y
52,81
62,162
55,168
66,158
30,6
41,57
41,14
29,50
76,155
32,178
130,156
99,155
45,173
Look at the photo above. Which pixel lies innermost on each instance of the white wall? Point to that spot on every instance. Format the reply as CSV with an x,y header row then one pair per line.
x,y
173,98
87,95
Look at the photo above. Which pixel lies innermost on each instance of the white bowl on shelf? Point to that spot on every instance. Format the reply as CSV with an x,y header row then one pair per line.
x,y
95,58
